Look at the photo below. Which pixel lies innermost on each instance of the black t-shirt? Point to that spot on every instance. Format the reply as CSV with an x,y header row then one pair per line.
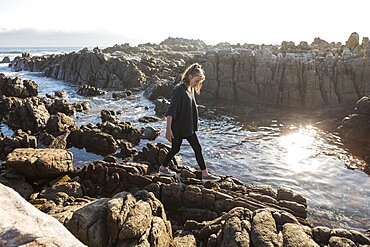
x,y
184,111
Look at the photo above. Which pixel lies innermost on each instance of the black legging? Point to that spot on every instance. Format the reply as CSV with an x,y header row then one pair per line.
x,y
194,143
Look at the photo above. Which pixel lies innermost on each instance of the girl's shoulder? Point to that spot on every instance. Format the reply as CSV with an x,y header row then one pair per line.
x,y
179,87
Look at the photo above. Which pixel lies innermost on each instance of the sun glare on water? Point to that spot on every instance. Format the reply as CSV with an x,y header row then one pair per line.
x,y
298,148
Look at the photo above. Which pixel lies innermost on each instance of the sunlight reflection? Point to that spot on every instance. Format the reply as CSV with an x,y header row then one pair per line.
x,y
300,147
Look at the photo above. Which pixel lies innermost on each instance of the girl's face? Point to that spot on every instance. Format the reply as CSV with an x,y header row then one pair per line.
x,y
194,81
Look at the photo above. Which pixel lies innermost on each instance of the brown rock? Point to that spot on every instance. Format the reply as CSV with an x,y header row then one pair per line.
x,y
40,163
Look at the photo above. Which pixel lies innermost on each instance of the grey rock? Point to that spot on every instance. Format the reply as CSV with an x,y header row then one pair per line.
x,y
31,227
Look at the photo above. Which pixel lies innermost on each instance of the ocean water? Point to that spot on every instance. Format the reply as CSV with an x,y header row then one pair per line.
x,y
283,149
13,52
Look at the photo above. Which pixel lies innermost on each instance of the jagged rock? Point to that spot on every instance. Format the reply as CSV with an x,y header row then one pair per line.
x,y
89,91
45,138
127,152
158,88
20,139
8,104
86,68
321,235
264,231
17,183
31,227
288,195
105,179
155,154
29,114
320,44
17,87
161,105
355,127
70,188
81,106
184,239
294,235
40,163
109,116
59,124
149,119
122,130
340,242
94,141
235,230
60,94
150,133
6,60
61,105
124,220
301,77
353,41
121,95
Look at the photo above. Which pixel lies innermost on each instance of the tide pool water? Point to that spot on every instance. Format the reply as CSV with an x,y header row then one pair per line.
x,y
283,151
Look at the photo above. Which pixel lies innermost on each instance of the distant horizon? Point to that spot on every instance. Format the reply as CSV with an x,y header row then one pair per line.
x,y
39,23
157,43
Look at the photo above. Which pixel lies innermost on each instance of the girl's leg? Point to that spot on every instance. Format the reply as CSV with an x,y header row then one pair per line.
x,y
194,143
176,143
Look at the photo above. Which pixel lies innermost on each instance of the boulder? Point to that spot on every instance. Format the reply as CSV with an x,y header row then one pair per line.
x,y
29,114
40,163
17,87
161,105
294,235
20,139
59,124
94,141
89,91
6,60
122,94
31,227
62,106
264,231
158,88
124,220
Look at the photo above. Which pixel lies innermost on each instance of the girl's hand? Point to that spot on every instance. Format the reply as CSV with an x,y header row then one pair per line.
x,y
169,135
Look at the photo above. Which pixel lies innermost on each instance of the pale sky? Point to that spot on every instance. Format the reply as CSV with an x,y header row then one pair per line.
x,y
109,22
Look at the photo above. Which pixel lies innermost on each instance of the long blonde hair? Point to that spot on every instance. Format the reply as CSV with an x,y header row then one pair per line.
x,y
193,70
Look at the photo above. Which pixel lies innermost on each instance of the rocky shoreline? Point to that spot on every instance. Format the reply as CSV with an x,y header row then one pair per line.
x,y
127,203
297,76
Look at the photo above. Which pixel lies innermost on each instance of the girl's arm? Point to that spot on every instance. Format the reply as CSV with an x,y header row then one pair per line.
x,y
169,134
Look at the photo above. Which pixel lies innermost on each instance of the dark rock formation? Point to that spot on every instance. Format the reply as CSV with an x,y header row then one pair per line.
x,y
93,140
59,124
17,87
122,94
29,114
20,139
5,60
85,68
89,91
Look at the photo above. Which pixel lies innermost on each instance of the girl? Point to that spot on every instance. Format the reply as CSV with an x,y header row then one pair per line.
x,y
182,119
